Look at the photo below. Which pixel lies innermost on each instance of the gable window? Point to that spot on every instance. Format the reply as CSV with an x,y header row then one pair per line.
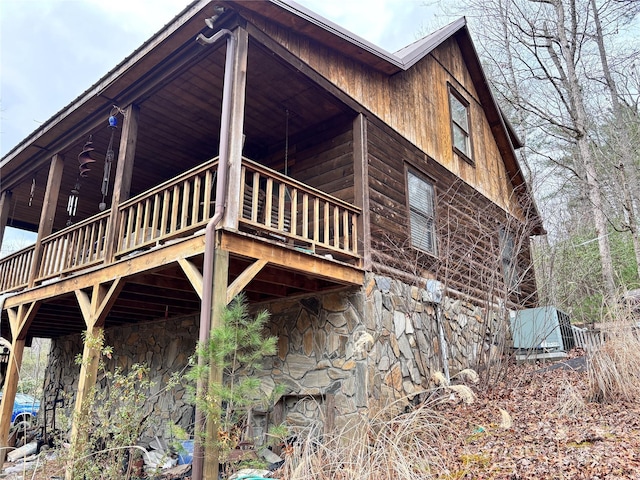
x,y
508,258
421,213
460,124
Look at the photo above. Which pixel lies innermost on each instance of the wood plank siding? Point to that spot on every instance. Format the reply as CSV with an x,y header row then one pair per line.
x,y
415,103
468,224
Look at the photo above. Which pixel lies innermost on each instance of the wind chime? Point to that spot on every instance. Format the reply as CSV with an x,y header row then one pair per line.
x,y
32,191
84,160
108,159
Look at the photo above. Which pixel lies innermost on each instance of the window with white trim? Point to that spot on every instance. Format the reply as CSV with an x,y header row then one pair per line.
x,y
460,124
509,260
422,213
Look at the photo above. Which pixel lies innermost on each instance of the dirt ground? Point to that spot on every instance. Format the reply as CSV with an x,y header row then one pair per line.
x,y
537,423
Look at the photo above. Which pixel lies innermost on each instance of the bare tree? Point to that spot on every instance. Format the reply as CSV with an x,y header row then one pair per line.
x,y
627,174
546,60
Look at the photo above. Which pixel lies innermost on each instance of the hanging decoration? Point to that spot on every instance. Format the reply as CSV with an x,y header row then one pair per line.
x,y
108,159
286,143
72,204
84,159
109,156
32,191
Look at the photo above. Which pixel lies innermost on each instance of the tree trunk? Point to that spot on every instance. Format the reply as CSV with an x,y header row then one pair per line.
x,y
627,174
579,113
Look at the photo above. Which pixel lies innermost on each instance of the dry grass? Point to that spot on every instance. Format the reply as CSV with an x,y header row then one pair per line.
x,y
614,368
571,402
387,446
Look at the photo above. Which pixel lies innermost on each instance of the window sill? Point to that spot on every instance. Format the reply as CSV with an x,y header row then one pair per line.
x,y
464,156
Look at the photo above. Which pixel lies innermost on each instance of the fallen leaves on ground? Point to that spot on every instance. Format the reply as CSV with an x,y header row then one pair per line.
x,y
554,432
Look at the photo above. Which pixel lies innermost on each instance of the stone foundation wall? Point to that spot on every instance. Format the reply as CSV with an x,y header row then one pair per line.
x,y
339,355
164,346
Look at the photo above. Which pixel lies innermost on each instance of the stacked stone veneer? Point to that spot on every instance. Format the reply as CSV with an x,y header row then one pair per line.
x,y
164,346
338,356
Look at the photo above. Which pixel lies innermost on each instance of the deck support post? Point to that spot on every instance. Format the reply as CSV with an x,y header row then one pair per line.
x,y
9,396
48,213
236,127
94,311
122,180
5,207
218,304
19,319
361,187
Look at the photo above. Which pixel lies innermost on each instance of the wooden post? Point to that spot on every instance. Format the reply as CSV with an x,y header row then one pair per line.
x,y
218,304
9,395
234,203
361,187
124,174
48,213
94,311
5,207
88,376
19,321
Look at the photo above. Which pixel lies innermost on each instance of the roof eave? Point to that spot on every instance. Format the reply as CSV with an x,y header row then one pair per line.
x,y
107,80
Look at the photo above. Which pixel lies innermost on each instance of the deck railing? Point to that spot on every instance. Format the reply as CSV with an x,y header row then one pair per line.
x,y
274,207
14,269
285,209
174,208
78,246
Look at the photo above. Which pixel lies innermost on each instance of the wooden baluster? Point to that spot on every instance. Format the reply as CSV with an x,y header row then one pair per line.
x,y
175,197
146,231
255,197
268,204
354,233
281,192
184,216
336,227
316,219
164,220
208,189
326,223
294,211
195,200
345,230
305,215
156,216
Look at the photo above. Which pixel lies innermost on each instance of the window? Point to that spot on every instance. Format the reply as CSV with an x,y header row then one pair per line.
x,y
460,128
508,257
421,213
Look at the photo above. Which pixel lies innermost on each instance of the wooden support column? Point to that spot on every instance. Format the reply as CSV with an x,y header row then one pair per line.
x,y
124,174
47,215
236,125
5,207
19,320
361,187
94,311
218,304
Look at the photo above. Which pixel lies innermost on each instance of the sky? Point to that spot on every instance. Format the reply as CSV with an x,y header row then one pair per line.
x,y
51,51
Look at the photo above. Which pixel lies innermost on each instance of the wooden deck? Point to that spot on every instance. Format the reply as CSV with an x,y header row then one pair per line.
x,y
306,240
275,209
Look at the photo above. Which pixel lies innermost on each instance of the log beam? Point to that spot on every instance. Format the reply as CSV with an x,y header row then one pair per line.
x,y
47,215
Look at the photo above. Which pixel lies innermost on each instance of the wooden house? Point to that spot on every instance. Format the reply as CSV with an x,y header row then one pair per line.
x,y
371,201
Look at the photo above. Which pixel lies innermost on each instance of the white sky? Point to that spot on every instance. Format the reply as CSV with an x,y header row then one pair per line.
x,y
53,50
